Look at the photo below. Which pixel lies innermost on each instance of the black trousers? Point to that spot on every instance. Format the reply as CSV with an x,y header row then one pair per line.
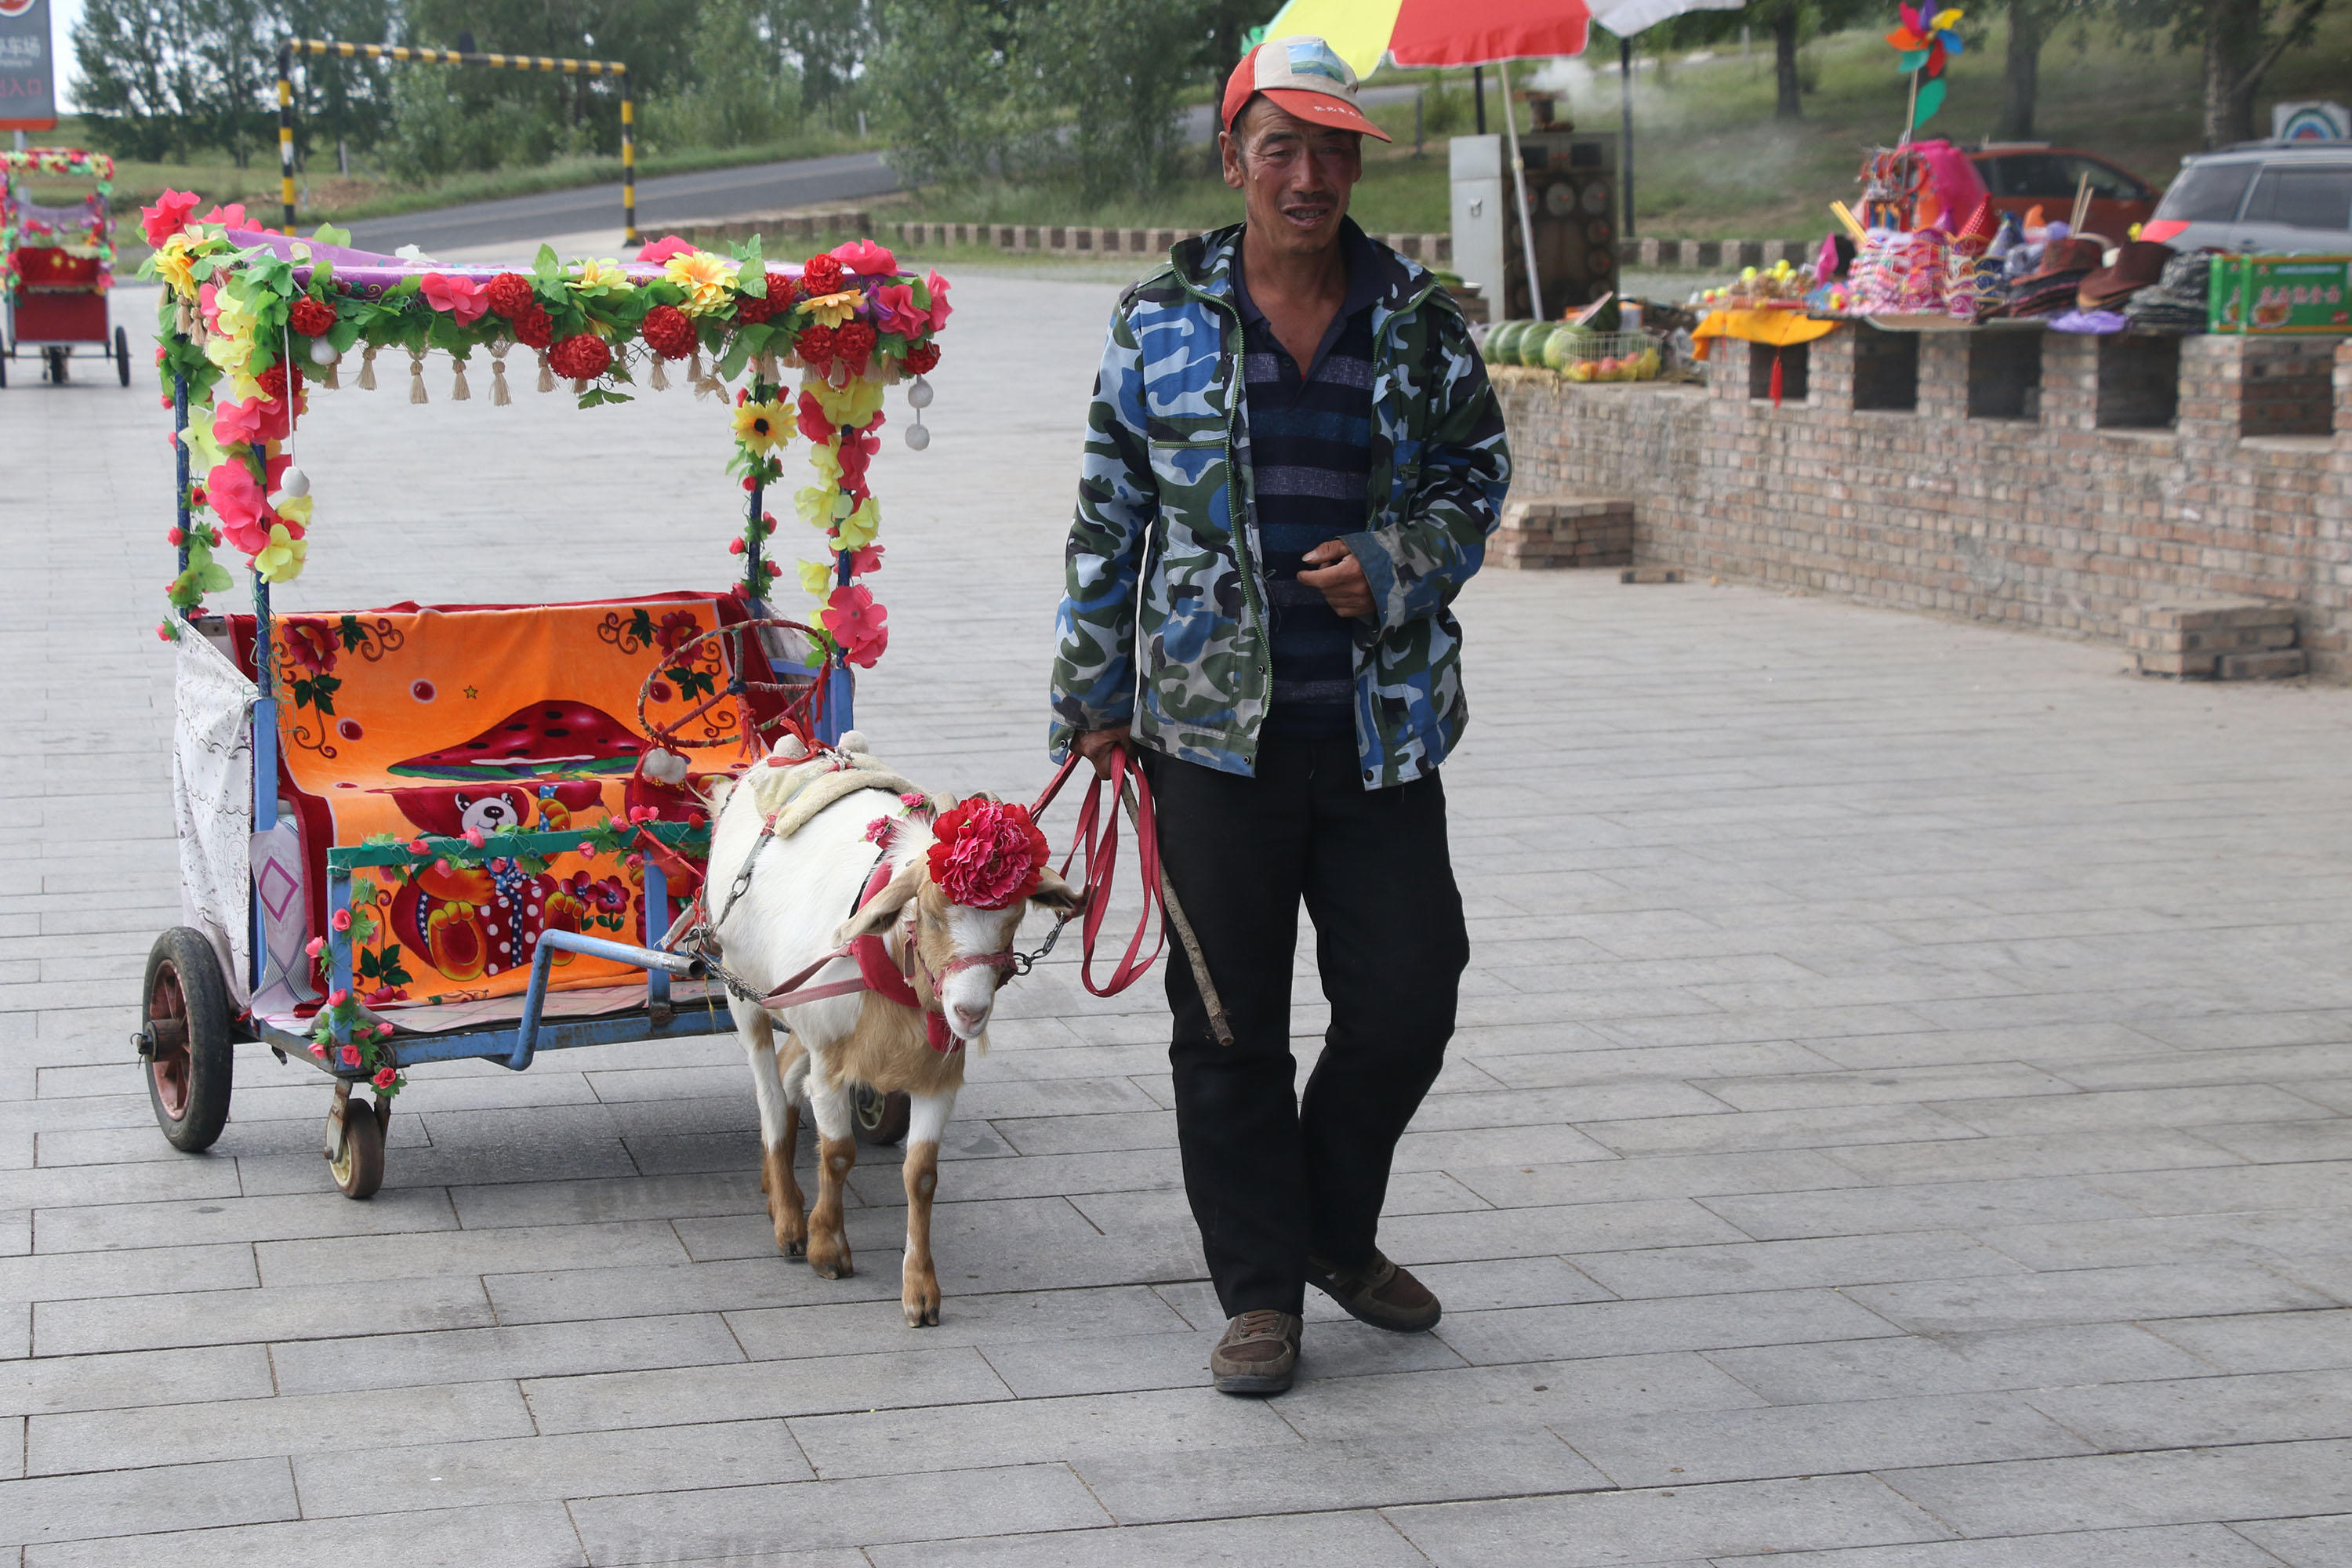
x,y
1274,1174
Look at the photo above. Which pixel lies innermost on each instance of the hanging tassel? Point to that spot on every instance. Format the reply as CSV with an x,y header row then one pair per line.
x,y
181,320
367,369
657,381
1776,378
417,376
546,376
458,391
580,386
333,382
499,398
694,365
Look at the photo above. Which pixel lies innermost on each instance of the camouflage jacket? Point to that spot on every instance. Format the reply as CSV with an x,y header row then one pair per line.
x,y
1166,474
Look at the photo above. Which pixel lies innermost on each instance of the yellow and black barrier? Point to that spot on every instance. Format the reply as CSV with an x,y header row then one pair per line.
x,y
401,53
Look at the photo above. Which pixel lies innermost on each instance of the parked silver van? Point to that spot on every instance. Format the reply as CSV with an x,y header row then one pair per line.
x,y
2275,197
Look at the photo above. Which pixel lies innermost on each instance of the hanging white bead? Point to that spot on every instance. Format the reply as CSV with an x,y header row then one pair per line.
x,y
293,483
322,352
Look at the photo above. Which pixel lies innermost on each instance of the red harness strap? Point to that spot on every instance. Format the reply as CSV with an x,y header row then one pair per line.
x,y
1101,846
876,972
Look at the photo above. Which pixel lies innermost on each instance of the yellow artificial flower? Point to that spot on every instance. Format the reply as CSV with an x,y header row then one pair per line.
x,y
708,280
280,559
173,265
858,529
835,309
826,460
761,426
231,354
852,403
818,505
296,510
816,578
600,275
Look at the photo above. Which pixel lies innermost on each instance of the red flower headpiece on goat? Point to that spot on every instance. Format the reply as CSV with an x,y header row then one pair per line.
x,y
986,854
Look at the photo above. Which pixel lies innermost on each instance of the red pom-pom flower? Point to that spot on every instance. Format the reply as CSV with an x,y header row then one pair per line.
x,y
922,359
312,317
853,341
822,274
534,328
669,332
509,294
986,854
582,357
818,347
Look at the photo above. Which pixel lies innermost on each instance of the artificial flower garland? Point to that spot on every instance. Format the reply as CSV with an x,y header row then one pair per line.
x,y
247,326
18,228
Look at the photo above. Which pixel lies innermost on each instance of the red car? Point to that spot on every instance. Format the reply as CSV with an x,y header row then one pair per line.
x,y
2022,175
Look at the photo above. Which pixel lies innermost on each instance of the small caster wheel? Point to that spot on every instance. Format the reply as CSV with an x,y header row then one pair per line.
x,y
879,1118
355,1144
122,356
184,1041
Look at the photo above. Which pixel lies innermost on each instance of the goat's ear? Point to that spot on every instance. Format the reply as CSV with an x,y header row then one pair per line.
x,y
885,906
1054,895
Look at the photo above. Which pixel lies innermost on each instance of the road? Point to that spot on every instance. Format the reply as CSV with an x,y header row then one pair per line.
x,y
669,199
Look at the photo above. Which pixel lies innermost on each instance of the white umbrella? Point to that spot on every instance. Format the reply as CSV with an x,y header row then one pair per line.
x,y
1625,19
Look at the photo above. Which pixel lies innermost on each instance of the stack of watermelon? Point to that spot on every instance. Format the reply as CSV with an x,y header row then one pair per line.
x,y
1571,349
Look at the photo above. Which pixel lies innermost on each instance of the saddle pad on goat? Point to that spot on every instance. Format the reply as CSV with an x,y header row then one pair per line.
x,y
795,793
452,720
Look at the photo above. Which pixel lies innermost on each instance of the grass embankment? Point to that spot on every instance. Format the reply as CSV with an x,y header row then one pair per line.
x,y
1712,162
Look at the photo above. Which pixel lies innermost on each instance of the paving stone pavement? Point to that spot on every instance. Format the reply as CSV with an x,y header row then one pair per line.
x,y
1899,1118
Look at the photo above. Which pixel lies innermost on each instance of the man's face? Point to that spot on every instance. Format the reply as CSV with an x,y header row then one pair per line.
x,y
1295,174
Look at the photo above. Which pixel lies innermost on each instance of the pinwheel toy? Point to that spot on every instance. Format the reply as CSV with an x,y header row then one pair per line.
x,y
1924,43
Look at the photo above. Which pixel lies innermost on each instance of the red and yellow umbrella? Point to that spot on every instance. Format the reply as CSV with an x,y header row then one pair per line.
x,y
1422,33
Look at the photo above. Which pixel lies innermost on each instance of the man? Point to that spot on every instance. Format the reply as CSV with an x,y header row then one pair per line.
x,y
1293,449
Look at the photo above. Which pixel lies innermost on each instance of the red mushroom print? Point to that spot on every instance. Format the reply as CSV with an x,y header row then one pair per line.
x,y
540,739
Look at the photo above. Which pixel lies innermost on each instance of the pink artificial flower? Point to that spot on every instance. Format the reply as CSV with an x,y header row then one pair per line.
x,y
868,559
235,496
168,217
474,836
866,258
418,846
253,420
337,998
662,249
914,800
457,296
318,1050
208,305
894,310
879,831
986,854
385,1078
350,1056
940,309
812,421
229,217
313,945
341,919
384,1031
586,848
856,622
857,449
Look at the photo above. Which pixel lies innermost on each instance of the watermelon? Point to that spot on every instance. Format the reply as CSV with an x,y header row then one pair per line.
x,y
534,742
1529,347
1500,341
1557,347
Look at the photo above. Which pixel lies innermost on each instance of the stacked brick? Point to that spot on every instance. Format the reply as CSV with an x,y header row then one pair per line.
x,y
1545,532
2034,511
1061,239
2241,639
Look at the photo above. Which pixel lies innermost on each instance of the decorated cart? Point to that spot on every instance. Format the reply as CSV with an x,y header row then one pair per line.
x,y
57,263
419,834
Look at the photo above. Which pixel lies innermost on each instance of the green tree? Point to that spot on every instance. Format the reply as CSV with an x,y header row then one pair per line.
x,y
1122,66
739,95
825,40
956,100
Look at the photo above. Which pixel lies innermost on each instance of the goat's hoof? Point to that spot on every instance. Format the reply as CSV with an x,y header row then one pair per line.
x,y
797,1246
922,1312
830,1262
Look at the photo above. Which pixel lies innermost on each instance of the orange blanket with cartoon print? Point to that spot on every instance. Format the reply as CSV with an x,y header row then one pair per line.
x,y
465,720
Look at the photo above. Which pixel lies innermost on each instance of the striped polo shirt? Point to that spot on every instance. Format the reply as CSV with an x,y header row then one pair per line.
x,y
1310,451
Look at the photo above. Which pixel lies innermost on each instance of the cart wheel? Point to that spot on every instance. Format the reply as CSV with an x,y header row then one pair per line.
x,y
357,1160
880,1118
4,357
182,1039
122,356
56,367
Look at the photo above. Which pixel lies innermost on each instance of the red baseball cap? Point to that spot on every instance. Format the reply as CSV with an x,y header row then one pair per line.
x,y
1304,77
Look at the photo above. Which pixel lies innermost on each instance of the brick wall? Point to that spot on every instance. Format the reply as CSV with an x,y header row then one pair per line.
x,y
2049,520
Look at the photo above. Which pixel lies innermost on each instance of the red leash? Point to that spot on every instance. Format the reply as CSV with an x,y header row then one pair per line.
x,y
1097,836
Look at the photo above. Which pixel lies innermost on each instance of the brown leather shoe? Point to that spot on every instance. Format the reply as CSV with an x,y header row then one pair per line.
x,y
1257,1355
1379,1293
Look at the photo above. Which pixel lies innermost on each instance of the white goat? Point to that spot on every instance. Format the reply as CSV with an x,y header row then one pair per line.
x,y
799,905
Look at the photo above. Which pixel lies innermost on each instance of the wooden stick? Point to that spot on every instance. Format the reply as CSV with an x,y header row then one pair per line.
x,y
1853,225
2082,213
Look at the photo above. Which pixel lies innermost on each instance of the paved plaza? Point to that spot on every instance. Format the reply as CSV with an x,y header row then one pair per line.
x,y
1902,1116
